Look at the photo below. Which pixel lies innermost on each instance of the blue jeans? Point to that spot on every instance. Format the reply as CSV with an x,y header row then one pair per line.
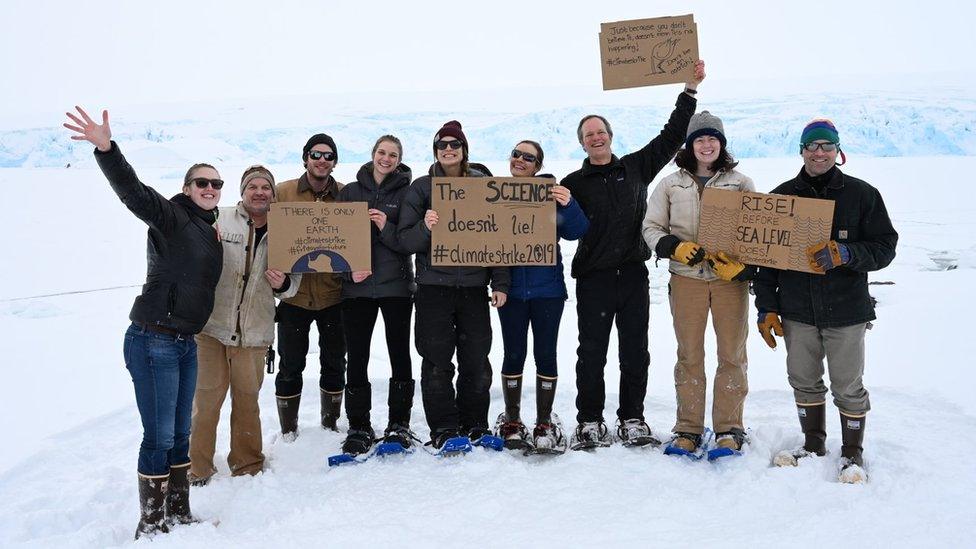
x,y
164,373
543,313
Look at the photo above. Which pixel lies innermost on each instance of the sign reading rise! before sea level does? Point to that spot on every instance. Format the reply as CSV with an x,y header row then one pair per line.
x,y
768,230
493,221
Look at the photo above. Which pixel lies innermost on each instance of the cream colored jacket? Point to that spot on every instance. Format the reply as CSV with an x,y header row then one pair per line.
x,y
674,208
243,314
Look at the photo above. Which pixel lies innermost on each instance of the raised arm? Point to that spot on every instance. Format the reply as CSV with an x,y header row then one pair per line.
x,y
147,204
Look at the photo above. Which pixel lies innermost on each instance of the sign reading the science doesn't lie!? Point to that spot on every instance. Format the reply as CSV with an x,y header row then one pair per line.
x,y
493,221
319,237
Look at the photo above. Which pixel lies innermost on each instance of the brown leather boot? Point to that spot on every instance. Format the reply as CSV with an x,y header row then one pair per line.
x,y
178,496
152,505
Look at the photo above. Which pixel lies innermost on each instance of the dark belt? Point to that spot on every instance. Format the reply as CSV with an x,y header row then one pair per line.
x,y
156,328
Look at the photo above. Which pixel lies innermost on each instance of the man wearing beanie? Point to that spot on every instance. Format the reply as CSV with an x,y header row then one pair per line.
x,y
611,278
232,346
318,300
827,314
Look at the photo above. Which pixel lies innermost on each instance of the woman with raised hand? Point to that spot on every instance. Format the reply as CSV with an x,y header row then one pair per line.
x,y
536,299
702,282
185,259
452,306
387,288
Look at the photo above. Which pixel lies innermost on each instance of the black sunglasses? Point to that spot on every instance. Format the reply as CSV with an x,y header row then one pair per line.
x,y
524,155
827,147
321,155
202,182
444,145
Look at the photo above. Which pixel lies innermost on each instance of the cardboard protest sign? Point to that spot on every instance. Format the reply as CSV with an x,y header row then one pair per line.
x,y
319,237
769,230
648,52
493,221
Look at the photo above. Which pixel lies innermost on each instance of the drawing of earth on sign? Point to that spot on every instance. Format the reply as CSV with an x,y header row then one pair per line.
x,y
321,261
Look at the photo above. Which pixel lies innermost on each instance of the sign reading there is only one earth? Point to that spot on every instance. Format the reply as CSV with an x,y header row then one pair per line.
x,y
319,237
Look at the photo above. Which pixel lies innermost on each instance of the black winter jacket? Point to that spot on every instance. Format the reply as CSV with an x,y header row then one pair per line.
x,y
839,297
185,257
614,197
414,236
392,270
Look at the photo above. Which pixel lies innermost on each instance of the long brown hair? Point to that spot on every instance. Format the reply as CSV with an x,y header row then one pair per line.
x,y
686,159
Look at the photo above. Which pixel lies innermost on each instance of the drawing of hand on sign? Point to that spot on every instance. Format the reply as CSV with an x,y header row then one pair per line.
x,y
661,52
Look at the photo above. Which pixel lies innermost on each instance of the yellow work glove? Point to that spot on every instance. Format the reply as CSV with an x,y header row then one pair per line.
x,y
827,255
727,268
689,253
769,324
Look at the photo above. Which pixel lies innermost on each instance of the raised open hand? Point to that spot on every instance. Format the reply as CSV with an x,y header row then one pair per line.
x,y
99,135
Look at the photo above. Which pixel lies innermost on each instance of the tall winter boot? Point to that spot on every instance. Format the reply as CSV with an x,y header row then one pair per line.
x,y
152,505
512,393
359,401
852,437
331,409
288,415
545,395
178,496
400,401
813,422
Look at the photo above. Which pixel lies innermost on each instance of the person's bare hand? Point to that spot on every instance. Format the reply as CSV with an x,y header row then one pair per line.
x,y
99,135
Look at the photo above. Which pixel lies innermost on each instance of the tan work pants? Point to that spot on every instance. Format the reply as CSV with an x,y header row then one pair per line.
x,y
242,370
691,300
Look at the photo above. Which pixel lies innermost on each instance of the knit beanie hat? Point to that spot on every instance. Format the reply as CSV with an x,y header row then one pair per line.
x,y
257,172
319,139
451,129
819,128
705,123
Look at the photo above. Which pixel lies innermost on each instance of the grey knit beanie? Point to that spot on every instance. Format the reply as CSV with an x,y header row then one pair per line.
x,y
705,123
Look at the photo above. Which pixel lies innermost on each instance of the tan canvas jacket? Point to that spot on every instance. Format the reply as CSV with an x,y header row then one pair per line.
x,y
674,207
243,314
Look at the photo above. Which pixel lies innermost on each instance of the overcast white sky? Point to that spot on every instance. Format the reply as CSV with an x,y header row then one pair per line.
x,y
55,54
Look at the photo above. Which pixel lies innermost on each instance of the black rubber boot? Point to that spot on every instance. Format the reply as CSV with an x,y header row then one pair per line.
x,y
178,496
152,505
512,392
545,395
852,436
331,409
400,401
813,421
359,401
288,414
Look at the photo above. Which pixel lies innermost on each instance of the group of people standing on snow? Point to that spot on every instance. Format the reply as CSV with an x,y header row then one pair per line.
x,y
205,318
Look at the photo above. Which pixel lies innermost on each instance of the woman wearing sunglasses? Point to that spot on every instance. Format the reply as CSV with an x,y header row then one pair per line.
x,y
387,288
536,298
452,306
185,259
702,282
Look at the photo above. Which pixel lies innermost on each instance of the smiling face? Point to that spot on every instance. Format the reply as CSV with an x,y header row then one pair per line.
x,y
707,149
320,169
450,157
386,159
520,167
258,196
596,140
819,161
207,198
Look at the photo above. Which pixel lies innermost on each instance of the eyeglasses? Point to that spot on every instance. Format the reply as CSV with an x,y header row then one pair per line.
x,y
202,182
826,147
321,155
524,155
444,145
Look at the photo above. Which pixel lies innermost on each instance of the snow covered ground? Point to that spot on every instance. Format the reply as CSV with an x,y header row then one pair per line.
x,y
67,472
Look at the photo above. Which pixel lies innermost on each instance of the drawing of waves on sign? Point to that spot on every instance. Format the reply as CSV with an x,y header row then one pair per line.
x,y
722,223
808,231
321,261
